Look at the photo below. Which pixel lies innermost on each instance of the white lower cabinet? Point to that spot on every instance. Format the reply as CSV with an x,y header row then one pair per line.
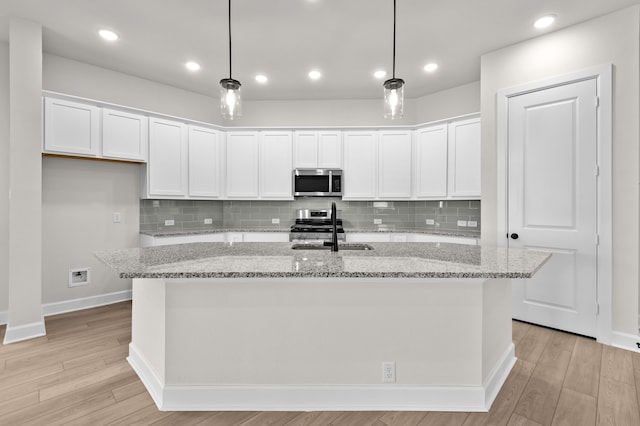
x,y
149,241
367,237
205,162
167,167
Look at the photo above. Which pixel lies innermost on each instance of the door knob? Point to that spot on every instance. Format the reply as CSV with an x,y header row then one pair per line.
x,y
514,236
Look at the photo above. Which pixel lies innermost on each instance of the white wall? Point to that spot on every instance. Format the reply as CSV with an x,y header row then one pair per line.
x,y
609,39
4,177
449,103
80,79
335,113
79,198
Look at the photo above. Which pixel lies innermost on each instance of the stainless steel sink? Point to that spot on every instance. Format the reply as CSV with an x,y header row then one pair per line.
x,y
343,246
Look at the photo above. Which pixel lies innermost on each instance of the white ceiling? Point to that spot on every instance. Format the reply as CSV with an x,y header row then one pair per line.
x,y
345,39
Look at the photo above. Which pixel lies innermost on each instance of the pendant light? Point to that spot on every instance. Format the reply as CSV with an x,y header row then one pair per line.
x,y
230,99
394,87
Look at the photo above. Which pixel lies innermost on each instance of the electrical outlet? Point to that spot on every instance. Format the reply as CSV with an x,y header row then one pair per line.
x,y
462,223
156,203
208,221
377,221
431,222
389,372
472,224
275,221
169,222
116,217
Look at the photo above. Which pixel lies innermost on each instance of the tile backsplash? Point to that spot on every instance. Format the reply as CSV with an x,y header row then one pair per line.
x,y
447,215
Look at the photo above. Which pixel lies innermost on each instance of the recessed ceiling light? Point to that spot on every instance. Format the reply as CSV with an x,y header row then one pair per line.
x,y
380,74
314,75
544,21
431,67
108,35
261,78
192,66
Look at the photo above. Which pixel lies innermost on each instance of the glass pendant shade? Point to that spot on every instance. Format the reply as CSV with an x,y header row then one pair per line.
x,y
393,98
230,98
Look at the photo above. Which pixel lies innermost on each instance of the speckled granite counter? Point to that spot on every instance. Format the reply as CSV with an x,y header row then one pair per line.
x,y
278,260
174,233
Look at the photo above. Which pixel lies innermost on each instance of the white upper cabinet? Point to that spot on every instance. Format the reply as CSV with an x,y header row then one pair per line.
x,y
71,127
318,149
430,168
394,165
360,165
464,159
205,162
167,166
275,165
124,135
242,165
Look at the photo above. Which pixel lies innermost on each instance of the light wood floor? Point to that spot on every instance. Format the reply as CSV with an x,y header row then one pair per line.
x,y
78,375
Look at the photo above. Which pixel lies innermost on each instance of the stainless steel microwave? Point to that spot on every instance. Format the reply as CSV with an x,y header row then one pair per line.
x,y
317,182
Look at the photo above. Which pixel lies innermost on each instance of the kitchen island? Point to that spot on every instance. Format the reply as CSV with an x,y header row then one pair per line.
x,y
259,326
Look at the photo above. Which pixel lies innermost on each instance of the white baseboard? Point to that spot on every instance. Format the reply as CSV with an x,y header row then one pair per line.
x,y
321,397
24,332
30,331
85,303
625,341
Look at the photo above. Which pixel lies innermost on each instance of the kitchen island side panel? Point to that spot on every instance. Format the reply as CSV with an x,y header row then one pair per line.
x,y
148,325
324,332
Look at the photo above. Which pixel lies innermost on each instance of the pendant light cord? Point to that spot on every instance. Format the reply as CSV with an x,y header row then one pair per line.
x,y
394,38
230,39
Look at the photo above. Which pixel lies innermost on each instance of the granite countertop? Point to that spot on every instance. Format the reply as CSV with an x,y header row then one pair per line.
x,y
278,260
172,233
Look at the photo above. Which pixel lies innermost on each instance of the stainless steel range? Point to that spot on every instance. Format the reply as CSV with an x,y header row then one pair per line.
x,y
315,225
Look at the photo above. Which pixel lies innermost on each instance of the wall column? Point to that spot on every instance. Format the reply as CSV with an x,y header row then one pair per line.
x,y
25,181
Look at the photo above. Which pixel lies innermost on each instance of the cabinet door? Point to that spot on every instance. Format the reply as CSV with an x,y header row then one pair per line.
x,y
306,150
394,165
330,150
71,127
242,165
167,167
204,162
276,165
464,159
124,135
430,166
359,165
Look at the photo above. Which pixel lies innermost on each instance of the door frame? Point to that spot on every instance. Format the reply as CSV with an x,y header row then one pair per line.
x,y
603,76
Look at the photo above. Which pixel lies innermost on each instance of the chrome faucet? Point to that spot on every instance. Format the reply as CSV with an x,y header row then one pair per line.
x,y
334,229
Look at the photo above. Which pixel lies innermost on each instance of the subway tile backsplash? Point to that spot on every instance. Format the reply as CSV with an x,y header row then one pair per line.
x,y
447,215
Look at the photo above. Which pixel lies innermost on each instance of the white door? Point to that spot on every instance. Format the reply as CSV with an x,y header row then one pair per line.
x,y
552,202
242,165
